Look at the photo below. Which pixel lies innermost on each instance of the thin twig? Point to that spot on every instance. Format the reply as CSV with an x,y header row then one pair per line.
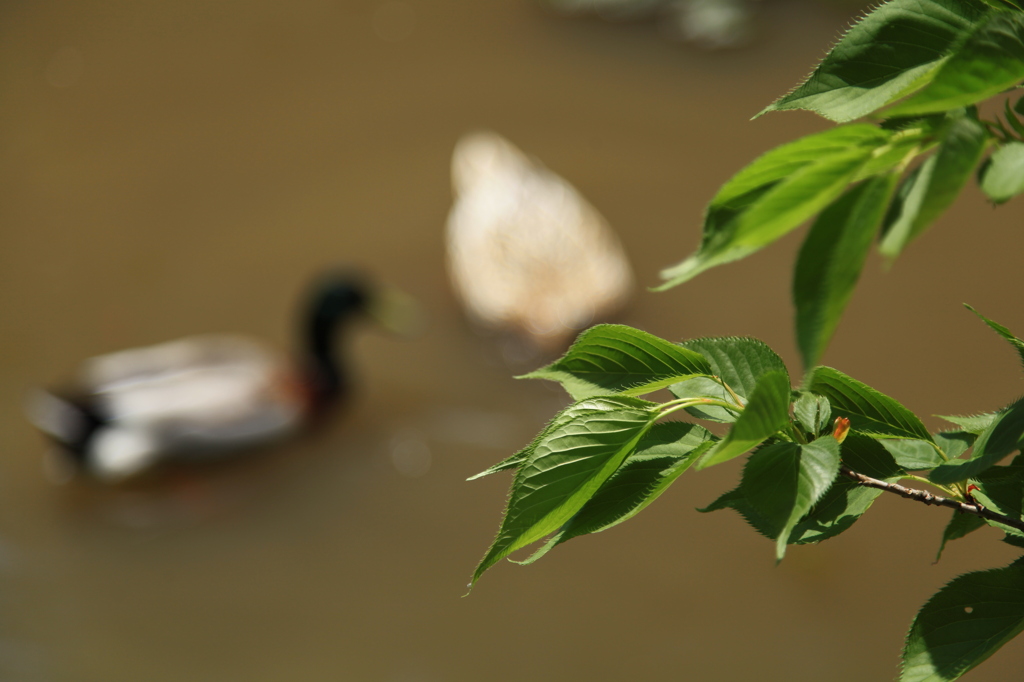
x,y
928,498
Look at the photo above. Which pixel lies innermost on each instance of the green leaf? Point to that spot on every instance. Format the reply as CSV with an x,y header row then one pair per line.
x,y
766,413
868,410
1012,119
913,454
738,361
954,443
661,456
776,193
891,52
567,466
577,411
614,358
1003,178
812,412
989,61
1001,438
846,501
1017,343
964,623
706,387
974,423
1014,540
934,185
831,259
1002,491
959,526
780,484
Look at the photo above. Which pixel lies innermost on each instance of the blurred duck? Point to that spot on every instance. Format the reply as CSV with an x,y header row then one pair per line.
x,y
203,395
526,252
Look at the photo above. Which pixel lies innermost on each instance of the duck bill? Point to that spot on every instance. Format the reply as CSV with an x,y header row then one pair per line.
x,y
397,312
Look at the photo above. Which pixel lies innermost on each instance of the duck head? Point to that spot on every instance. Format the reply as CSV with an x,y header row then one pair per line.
x,y
338,298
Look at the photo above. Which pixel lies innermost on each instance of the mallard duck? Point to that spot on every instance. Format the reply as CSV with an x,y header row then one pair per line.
x,y
526,252
203,395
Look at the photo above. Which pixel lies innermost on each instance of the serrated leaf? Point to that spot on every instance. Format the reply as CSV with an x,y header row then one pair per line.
x,y
780,484
1014,540
1001,489
989,61
837,510
661,456
831,260
738,361
766,413
964,623
1001,438
776,193
515,460
812,412
1003,178
892,51
869,411
934,185
846,501
614,358
972,423
1016,343
960,525
567,466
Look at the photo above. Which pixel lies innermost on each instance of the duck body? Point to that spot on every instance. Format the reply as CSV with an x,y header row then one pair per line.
x,y
526,252
198,397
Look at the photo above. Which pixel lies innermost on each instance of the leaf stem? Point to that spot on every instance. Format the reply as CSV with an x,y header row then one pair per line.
x,y
727,387
683,403
926,497
921,479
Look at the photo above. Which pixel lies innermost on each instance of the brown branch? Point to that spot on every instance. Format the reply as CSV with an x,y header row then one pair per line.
x,y
928,498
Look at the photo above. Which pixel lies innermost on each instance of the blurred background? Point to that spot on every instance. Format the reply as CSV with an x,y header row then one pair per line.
x,y
174,168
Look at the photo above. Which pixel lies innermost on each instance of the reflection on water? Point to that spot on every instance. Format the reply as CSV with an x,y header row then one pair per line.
x,y
203,158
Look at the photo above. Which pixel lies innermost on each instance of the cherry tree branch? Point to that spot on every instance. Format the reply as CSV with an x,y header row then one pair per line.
x,y
928,498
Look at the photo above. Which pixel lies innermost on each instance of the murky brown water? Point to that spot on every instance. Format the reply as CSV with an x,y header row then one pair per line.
x,y
172,168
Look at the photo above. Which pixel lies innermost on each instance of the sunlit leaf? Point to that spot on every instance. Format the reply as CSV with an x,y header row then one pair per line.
x,y
780,485
913,454
812,412
831,259
776,193
973,423
889,53
934,185
577,411
964,623
766,412
661,456
1016,343
566,468
1004,176
869,411
845,501
989,61
614,358
736,360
